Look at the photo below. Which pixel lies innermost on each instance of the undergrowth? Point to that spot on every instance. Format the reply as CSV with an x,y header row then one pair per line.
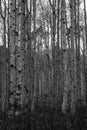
x,y
46,119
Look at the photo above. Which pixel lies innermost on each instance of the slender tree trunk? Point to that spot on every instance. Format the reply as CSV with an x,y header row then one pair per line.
x,y
29,62
83,73
59,90
73,87
53,52
8,82
65,92
12,57
85,18
78,61
69,62
4,70
35,62
21,86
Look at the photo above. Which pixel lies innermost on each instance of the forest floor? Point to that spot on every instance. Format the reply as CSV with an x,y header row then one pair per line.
x,y
46,119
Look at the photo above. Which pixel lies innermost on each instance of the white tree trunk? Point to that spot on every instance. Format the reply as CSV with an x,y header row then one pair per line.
x,y
65,74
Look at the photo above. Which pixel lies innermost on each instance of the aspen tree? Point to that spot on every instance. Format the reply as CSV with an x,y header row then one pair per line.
x,y
76,42
72,58
8,60
58,54
29,60
4,69
12,36
20,90
83,72
85,19
48,57
68,60
53,31
78,59
35,62
63,27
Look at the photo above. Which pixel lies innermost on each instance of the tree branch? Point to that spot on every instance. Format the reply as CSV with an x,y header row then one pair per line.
x,y
53,8
50,3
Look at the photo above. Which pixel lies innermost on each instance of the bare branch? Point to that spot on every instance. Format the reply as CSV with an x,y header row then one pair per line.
x,y
50,3
53,8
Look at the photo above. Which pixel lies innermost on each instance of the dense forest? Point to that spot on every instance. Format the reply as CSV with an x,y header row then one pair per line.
x,y
43,64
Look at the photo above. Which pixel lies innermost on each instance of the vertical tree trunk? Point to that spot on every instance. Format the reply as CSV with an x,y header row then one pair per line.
x,y
21,87
29,60
53,52
72,58
8,74
4,70
85,19
59,90
83,94
78,61
35,62
12,57
63,27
